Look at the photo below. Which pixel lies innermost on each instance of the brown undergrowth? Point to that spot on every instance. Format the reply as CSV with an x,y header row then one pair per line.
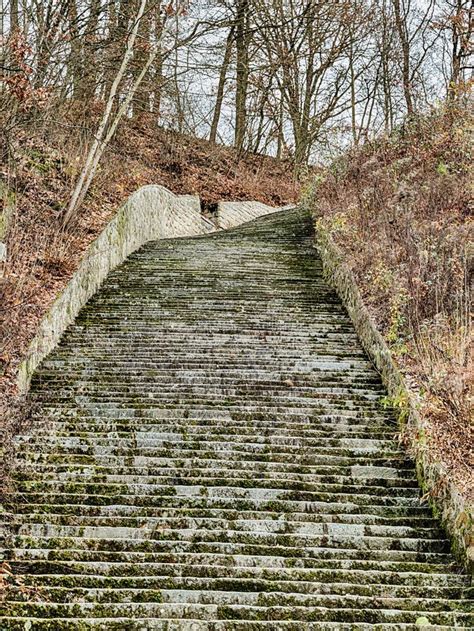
x,y
401,207
36,178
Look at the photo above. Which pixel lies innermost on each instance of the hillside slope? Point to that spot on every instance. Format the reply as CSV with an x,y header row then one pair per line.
x,y
401,209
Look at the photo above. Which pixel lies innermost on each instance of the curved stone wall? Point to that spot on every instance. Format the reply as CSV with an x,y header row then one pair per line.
x,y
231,214
151,213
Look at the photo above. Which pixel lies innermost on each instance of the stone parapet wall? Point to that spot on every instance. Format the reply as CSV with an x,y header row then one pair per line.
x,y
151,213
232,214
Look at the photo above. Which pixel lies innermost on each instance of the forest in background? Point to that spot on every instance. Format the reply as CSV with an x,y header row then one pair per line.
x,y
297,79
362,105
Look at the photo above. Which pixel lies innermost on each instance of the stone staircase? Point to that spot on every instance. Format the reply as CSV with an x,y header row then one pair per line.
x,y
211,452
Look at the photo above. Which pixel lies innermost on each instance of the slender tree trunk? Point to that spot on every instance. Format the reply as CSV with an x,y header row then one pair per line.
x,y
242,40
76,60
281,139
158,79
384,48
102,137
461,43
141,100
91,74
14,16
355,135
405,45
221,85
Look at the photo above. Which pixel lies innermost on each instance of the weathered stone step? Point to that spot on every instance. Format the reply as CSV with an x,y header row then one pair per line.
x,y
154,528
216,487
137,375
244,358
148,443
149,457
423,519
269,609
177,539
294,417
126,389
99,555
215,475
429,598
90,575
153,429
65,588
254,595
333,401
166,624
143,527
218,495
141,465
69,503
214,460
311,364
220,566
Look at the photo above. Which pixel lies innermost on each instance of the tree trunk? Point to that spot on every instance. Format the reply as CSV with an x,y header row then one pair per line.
x,y
91,74
158,80
461,43
405,45
220,87
141,100
14,17
76,61
242,72
103,136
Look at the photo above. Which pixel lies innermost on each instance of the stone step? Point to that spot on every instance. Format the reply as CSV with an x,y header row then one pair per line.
x,y
143,524
195,429
243,461
174,538
114,569
57,588
262,414
216,476
133,514
252,594
167,624
149,443
379,473
216,488
269,609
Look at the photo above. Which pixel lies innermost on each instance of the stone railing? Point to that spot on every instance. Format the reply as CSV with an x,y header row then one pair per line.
x,y
231,214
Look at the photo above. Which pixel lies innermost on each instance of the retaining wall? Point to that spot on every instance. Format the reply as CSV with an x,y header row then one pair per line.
x,y
456,515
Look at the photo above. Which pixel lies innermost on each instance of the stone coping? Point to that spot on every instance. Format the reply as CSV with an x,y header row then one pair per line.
x,y
232,214
455,514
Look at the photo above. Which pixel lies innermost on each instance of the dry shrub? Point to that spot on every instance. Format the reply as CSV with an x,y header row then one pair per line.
x,y
401,209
